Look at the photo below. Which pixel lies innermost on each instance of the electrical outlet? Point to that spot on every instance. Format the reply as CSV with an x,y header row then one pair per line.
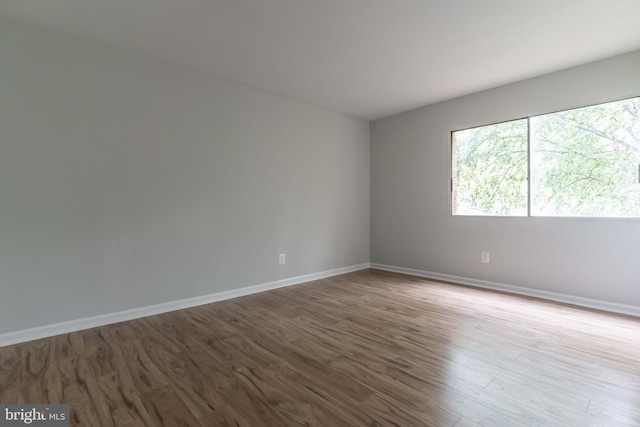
x,y
484,257
281,259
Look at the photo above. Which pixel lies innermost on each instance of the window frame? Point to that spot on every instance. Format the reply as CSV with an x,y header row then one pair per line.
x,y
529,214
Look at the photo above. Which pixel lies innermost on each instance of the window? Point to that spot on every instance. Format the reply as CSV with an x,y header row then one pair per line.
x,y
580,162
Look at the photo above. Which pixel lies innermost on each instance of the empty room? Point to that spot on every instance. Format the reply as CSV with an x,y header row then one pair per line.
x,y
319,213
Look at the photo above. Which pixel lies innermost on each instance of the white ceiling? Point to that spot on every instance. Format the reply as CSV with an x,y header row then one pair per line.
x,y
365,58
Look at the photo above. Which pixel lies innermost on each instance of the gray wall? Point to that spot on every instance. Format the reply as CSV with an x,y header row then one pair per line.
x,y
410,222
126,183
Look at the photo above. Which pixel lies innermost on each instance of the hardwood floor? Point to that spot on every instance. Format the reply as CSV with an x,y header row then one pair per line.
x,y
366,348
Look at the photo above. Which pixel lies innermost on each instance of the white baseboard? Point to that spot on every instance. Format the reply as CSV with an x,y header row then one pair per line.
x,y
613,307
136,313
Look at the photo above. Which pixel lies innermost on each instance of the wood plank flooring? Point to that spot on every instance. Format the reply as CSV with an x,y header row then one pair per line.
x,y
366,348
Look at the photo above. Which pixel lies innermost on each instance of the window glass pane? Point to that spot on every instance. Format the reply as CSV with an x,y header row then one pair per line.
x,y
490,170
584,162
